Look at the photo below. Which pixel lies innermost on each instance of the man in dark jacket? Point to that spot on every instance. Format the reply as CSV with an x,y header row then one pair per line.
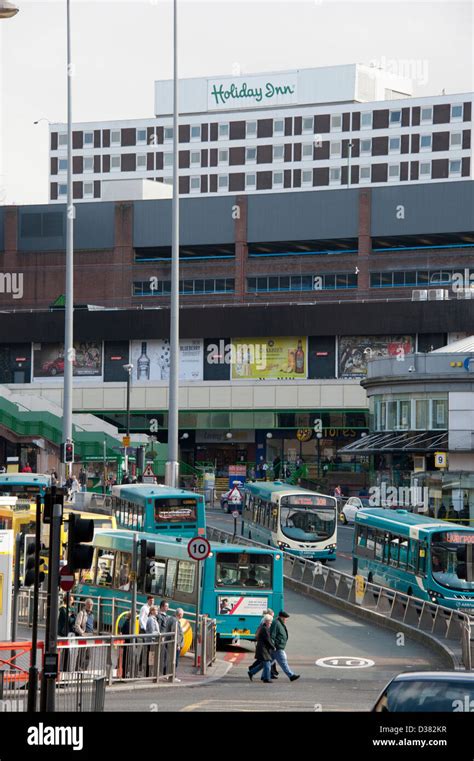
x,y
264,652
279,635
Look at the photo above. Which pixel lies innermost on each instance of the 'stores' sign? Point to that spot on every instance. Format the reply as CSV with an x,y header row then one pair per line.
x,y
248,92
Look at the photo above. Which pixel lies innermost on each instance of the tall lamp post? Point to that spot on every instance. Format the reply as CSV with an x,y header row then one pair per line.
x,y
350,146
319,436
128,369
7,9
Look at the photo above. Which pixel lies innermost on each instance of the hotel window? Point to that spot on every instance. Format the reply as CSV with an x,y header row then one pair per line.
x,y
168,134
62,140
307,151
307,177
88,139
277,153
168,160
251,129
195,158
308,124
427,115
277,179
250,181
167,181
224,131
223,182
394,145
195,185
336,122
115,137
115,163
454,168
223,155
455,140
196,132
88,190
456,112
393,172
395,118
366,120
141,160
88,163
250,155
425,169
141,136
335,175
62,190
364,174
278,127
365,147
62,165
336,149
425,142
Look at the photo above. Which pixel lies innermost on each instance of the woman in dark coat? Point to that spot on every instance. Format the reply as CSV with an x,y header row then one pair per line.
x,y
263,652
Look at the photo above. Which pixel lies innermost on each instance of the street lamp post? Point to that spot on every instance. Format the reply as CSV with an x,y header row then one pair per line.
x,y
7,9
128,369
350,145
319,436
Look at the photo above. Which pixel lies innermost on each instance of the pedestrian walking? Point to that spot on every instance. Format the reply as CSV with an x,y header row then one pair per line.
x,y
279,635
125,629
144,613
267,612
264,651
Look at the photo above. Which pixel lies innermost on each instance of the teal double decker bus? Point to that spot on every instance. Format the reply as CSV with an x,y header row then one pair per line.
x,y
159,509
420,556
237,583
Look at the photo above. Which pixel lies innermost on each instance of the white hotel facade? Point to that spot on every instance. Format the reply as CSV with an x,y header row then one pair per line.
x,y
296,130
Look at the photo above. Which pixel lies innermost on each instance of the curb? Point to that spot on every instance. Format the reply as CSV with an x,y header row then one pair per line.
x,y
221,669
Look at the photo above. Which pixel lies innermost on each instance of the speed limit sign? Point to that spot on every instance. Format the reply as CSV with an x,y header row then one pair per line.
x,y
198,548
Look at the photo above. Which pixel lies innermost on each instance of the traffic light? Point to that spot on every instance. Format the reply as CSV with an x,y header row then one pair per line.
x,y
30,564
67,452
79,555
146,554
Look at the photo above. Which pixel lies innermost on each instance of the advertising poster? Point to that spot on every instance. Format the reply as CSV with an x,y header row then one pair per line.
x,y
242,606
269,358
48,360
151,360
355,352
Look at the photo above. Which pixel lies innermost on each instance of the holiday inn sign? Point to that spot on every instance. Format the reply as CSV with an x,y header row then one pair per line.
x,y
248,92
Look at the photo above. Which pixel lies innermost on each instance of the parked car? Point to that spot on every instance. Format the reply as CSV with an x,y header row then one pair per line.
x,y
232,500
428,692
351,507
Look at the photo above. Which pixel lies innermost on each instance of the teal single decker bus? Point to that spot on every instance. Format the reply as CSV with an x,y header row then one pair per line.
x,y
158,509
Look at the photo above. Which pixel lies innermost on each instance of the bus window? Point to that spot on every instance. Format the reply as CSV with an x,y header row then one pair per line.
x,y
394,550
122,571
104,568
244,570
361,536
371,535
170,578
413,555
379,544
155,578
185,578
403,558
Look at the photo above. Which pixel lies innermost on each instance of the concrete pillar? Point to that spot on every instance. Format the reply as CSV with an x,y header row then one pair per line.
x,y
241,247
365,243
123,256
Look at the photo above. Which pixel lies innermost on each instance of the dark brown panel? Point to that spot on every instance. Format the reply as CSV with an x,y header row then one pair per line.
x,y
265,128
379,146
344,148
322,124
213,183
288,125
415,116
213,135
184,185
442,113
264,180
405,144
356,121
346,122
466,138
320,152
415,143
184,159
204,157
344,175
159,161
405,117
296,178
97,164
439,169
237,182
466,166
204,134
106,138
288,152
97,136
54,191
160,135
380,119
237,131
296,151
467,111
150,161
404,171
203,181
321,176
287,178
379,173
77,165
77,140
298,126
355,148
77,189
128,136
54,165
354,174
106,163
151,136
54,141
264,154
96,188
414,170
129,162
184,134
440,141
236,156
213,157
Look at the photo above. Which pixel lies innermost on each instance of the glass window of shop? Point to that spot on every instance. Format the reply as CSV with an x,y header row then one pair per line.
x,y
403,413
450,495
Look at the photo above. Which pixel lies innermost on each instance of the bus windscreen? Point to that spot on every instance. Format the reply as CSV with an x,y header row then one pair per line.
x,y
175,510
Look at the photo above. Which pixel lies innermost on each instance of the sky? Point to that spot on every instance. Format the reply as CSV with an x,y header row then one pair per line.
x,y
120,47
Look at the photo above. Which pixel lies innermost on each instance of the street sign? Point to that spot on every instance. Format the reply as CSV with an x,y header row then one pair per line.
x,y
235,513
198,548
441,459
66,579
126,441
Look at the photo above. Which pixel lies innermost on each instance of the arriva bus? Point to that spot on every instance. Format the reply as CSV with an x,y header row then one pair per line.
x,y
296,520
25,487
417,555
159,509
238,583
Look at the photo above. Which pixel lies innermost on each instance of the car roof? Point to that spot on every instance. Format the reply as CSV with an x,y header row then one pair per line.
x,y
442,676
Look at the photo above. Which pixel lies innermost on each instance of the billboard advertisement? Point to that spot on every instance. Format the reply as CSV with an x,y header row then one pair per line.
x,y
151,360
355,351
269,358
242,606
48,360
